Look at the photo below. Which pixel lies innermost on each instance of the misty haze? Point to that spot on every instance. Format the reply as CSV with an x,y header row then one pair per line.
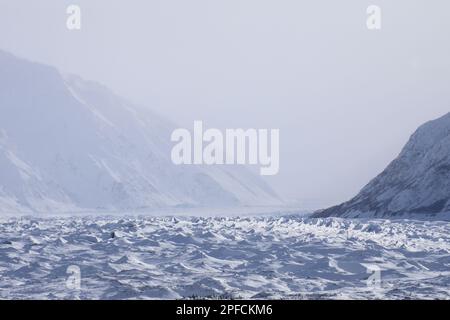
x,y
231,149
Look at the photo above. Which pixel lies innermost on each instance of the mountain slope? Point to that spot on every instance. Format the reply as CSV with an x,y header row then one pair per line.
x,y
417,182
71,145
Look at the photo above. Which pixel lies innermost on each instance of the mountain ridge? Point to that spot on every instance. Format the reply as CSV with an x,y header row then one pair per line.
x,y
67,145
417,182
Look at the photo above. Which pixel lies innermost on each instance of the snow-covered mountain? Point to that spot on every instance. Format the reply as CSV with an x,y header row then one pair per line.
x,y
417,182
71,145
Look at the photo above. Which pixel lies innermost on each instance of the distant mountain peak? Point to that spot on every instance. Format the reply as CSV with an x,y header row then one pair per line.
x,y
68,145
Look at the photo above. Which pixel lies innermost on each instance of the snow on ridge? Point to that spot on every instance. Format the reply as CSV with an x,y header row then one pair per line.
x,y
416,183
72,145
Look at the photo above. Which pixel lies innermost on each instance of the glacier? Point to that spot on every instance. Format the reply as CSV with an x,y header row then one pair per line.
x,y
86,183
241,257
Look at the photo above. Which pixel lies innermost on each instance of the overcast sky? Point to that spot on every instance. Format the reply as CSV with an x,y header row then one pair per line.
x,y
345,98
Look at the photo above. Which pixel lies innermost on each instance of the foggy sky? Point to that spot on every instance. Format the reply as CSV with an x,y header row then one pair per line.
x,y
345,99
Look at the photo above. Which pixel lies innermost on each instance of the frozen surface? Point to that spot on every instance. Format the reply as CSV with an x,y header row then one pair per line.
x,y
232,257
